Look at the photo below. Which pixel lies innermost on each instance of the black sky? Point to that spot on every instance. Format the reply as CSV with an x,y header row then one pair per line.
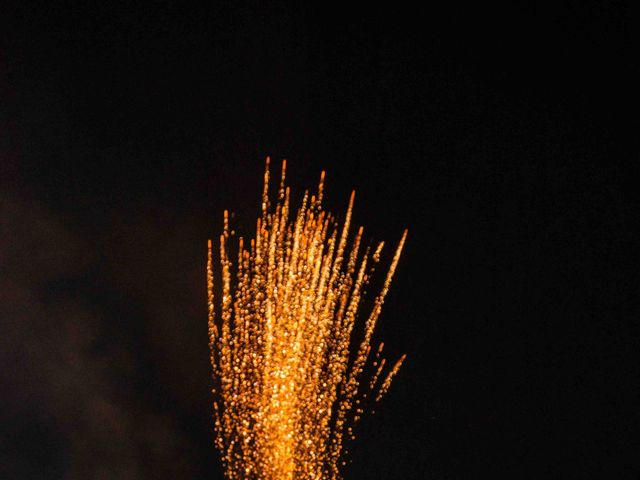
x,y
495,133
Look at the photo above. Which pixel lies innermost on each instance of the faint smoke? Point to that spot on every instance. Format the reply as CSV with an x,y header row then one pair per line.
x,y
67,408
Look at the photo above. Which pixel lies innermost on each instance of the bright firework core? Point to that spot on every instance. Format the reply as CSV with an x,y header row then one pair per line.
x,y
288,383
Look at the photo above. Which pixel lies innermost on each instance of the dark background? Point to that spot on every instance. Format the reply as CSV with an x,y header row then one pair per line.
x,y
495,133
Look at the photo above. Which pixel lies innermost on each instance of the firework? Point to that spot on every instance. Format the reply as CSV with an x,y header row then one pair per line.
x,y
287,370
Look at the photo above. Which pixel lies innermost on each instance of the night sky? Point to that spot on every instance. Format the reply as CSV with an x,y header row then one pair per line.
x,y
494,133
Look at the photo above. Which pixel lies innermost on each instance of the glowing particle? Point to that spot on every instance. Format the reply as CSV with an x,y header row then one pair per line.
x,y
286,385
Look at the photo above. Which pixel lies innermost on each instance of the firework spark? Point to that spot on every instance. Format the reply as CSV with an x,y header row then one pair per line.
x,y
288,375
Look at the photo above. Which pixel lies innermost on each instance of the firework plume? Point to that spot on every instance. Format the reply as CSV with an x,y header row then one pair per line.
x,y
288,373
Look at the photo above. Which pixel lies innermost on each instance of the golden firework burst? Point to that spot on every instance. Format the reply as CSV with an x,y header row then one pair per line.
x,y
287,374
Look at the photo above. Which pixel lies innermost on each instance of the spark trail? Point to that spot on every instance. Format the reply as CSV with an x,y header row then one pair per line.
x,y
288,373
